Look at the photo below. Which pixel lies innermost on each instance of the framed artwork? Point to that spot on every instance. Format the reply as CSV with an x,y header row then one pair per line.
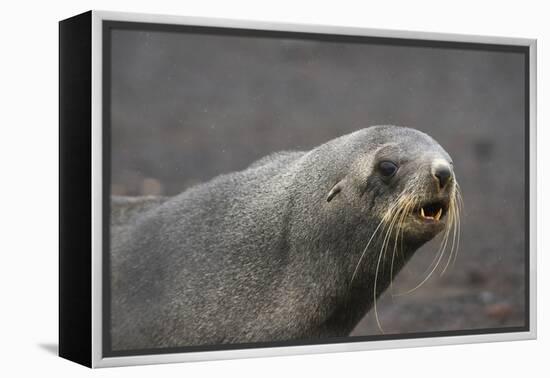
x,y
236,188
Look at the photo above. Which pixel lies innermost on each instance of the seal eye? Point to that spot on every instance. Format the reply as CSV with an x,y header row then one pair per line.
x,y
387,168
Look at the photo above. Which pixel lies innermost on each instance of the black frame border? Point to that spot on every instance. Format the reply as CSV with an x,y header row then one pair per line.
x,y
75,189
109,25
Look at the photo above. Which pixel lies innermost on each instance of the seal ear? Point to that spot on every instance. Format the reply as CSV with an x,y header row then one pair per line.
x,y
335,190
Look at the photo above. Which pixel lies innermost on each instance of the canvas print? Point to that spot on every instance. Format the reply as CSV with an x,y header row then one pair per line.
x,y
280,188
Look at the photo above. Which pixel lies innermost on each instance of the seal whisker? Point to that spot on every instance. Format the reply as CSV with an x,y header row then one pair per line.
x,y
382,252
441,250
387,230
392,217
455,211
399,225
390,230
365,249
400,204
400,207
441,254
404,213
452,220
459,206
383,221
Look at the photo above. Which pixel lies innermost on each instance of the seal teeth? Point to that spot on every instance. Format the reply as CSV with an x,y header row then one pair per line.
x,y
438,215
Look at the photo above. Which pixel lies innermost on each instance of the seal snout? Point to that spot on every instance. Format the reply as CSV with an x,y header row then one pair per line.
x,y
441,171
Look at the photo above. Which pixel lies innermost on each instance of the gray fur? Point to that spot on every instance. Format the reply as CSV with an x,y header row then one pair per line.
x,y
125,209
260,254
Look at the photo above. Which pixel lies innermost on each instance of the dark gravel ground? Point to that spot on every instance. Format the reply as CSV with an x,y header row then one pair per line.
x,y
187,107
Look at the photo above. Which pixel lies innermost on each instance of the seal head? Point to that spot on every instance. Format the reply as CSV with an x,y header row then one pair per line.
x,y
402,172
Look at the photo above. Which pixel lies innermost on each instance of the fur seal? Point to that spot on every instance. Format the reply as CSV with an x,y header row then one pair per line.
x,y
296,246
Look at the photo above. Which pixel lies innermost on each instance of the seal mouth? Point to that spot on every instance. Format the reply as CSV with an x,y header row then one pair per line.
x,y
432,212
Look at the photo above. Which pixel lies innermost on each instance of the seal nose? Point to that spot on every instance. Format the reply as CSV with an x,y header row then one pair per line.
x,y
442,173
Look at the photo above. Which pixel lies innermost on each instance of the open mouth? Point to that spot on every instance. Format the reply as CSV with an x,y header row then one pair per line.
x,y
432,211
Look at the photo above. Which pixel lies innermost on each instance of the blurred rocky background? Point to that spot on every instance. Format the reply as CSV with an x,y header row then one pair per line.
x,y
189,106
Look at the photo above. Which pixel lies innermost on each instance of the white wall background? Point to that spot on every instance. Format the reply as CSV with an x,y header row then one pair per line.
x,y
28,186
